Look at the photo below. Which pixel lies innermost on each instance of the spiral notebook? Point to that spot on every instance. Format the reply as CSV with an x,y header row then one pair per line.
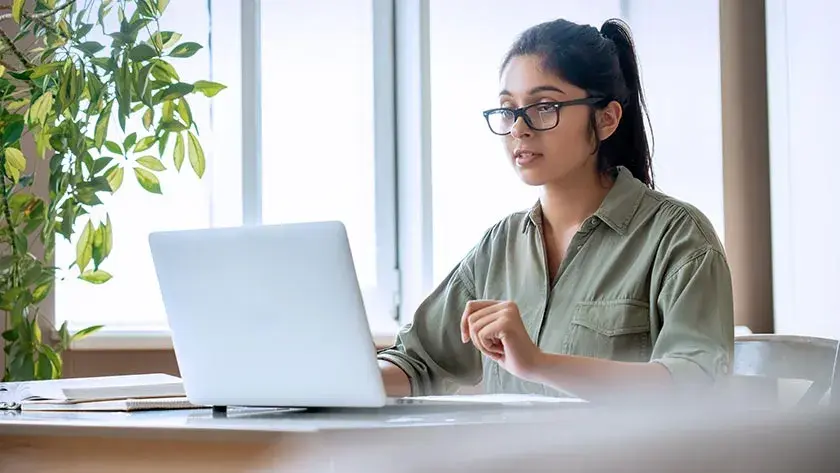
x,y
116,405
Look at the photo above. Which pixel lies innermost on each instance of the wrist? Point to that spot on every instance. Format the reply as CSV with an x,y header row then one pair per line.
x,y
539,367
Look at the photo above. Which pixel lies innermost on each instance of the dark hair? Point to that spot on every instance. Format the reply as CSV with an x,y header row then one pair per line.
x,y
603,63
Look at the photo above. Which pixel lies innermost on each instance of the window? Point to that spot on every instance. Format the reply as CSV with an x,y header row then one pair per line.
x,y
131,299
318,157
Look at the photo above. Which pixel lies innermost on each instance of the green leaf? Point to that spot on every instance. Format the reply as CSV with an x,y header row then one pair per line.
x,y
113,147
41,108
104,10
148,118
152,163
13,130
145,143
36,331
98,236
142,52
45,69
184,112
179,151
196,155
167,111
43,366
106,63
10,335
164,71
47,352
129,141
83,30
115,177
209,89
68,217
17,10
100,164
161,5
184,50
41,292
147,180
102,125
85,332
84,247
173,126
90,47
143,86
165,39
164,139
87,195
96,277
107,237
63,337
15,163
177,90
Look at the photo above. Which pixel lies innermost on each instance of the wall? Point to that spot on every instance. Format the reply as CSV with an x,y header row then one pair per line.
x,y
746,165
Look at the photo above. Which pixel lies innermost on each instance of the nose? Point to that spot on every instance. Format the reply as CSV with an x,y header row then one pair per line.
x,y
520,128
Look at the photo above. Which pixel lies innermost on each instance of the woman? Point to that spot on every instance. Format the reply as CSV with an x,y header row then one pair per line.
x,y
605,285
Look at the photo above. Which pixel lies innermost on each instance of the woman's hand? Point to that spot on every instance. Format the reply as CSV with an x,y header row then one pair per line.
x,y
496,329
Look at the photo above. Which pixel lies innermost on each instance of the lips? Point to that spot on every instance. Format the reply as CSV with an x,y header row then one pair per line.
x,y
523,157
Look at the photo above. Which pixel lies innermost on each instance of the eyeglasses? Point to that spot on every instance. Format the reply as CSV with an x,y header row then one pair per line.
x,y
540,116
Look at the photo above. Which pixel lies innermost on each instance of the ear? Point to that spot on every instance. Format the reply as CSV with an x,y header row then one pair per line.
x,y
607,120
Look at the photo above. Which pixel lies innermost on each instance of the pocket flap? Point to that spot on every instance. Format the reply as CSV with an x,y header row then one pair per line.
x,y
613,318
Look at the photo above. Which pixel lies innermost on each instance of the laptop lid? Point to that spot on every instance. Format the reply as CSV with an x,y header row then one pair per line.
x,y
268,316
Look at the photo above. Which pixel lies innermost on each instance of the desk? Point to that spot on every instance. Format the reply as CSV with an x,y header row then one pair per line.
x,y
415,439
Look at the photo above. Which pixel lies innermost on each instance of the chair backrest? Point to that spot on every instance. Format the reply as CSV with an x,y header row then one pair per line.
x,y
791,357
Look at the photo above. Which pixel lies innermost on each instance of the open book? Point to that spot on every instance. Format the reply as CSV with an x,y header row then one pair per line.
x,y
76,390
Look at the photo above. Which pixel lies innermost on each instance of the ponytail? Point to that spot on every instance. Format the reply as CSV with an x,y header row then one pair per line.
x,y
604,64
628,145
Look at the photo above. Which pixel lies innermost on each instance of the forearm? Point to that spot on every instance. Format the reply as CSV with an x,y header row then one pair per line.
x,y
395,380
597,379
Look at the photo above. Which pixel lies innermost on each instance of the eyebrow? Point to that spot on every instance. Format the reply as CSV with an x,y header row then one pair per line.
x,y
537,89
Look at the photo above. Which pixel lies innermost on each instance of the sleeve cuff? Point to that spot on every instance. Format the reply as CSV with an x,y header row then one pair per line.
x,y
414,376
685,372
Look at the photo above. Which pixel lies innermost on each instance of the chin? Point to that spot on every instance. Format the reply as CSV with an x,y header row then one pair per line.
x,y
532,177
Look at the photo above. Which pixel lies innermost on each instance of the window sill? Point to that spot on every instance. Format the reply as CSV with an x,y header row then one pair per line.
x,y
158,339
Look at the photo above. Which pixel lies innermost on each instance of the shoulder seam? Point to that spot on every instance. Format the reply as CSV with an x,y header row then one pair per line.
x,y
687,211
692,257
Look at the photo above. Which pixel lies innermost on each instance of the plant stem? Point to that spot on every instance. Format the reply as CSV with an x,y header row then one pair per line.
x,y
8,42
54,10
7,215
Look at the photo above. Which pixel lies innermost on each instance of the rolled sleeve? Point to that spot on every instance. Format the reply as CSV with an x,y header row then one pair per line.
x,y
429,350
697,337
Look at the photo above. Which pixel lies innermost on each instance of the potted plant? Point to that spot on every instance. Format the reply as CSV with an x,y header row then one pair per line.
x,y
72,96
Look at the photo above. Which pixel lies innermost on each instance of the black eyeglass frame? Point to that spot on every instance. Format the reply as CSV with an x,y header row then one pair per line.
x,y
523,112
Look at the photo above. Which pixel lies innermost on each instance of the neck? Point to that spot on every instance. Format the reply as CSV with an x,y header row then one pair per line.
x,y
567,203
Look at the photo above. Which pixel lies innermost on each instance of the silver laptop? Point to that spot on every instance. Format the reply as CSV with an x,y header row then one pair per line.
x,y
268,316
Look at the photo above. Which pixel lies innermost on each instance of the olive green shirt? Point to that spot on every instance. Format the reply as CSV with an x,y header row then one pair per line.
x,y
645,279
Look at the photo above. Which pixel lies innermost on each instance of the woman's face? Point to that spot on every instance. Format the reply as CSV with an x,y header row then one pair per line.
x,y
542,157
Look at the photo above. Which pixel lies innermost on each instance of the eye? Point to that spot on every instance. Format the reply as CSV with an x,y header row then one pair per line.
x,y
545,107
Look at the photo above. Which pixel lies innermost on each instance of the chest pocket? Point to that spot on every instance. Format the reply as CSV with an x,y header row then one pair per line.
x,y
615,330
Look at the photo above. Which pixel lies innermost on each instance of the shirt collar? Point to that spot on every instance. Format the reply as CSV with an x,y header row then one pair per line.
x,y
617,209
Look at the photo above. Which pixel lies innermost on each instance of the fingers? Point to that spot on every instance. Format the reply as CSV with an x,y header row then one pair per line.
x,y
481,334
471,308
490,337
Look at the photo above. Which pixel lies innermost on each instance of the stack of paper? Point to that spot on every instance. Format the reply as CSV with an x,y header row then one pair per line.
x,y
107,393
